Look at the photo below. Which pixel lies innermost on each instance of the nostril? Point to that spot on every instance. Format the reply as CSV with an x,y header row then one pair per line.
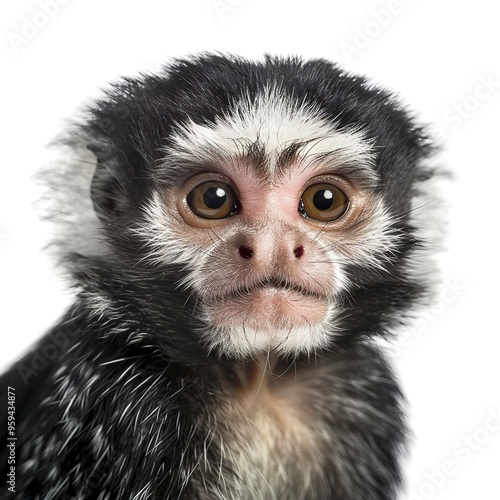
x,y
299,251
245,252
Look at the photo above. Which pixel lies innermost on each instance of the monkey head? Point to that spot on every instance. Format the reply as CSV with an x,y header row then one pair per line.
x,y
234,208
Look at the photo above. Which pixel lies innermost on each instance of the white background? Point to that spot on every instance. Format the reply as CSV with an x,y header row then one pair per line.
x,y
442,57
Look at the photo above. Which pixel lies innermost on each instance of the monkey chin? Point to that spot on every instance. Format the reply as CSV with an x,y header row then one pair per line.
x,y
268,319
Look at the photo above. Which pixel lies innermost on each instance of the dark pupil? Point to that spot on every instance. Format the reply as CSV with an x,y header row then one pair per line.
x,y
323,199
214,197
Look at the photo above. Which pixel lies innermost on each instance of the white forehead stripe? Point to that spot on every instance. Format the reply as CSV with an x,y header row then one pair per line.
x,y
277,122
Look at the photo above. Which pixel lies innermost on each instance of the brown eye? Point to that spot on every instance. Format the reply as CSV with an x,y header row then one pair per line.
x,y
323,202
212,200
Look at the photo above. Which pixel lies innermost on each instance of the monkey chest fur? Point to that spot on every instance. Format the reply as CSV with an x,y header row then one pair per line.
x,y
264,443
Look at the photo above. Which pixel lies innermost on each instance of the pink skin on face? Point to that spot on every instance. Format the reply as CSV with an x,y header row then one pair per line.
x,y
279,197
275,243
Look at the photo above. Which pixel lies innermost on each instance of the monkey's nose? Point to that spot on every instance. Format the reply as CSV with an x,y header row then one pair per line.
x,y
247,253
299,251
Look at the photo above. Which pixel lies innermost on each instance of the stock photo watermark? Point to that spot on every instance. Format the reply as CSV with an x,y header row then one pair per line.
x,y
39,358
57,341
455,115
11,439
32,25
223,7
366,32
463,450
449,293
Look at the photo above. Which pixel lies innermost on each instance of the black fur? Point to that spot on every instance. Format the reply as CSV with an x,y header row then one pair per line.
x,y
138,377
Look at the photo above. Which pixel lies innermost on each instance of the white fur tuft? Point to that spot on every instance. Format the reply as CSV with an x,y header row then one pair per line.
x,y
275,121
66,204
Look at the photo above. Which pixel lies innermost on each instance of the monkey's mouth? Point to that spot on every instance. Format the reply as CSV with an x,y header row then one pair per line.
x,y
268,305
274,286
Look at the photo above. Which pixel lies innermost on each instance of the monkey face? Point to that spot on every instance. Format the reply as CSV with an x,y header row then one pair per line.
x,y
272,205
254,207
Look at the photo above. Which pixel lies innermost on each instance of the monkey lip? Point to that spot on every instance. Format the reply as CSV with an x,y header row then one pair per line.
x,y
269,306
274,287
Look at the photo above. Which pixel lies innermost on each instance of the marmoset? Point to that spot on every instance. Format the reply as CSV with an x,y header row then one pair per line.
x,y
238,235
